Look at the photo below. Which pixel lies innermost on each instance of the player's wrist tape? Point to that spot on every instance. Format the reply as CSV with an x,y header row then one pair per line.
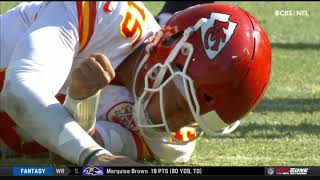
x,y
84,111
90,153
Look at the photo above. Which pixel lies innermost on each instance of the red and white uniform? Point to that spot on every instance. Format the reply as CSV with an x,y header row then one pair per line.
x,y
116,106
41,43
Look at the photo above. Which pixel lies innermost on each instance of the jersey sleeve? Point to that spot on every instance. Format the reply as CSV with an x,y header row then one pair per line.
x,y
39,67
114,28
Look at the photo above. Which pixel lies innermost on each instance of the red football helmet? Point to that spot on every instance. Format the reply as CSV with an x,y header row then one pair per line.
x,y
224,57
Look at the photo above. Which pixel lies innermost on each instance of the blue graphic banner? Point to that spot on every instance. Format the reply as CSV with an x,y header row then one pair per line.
x,y
33,171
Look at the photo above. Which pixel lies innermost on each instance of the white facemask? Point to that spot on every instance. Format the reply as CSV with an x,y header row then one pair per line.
x,y
183,83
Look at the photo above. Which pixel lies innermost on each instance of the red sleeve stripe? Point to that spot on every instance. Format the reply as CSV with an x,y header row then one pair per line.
x,y
86,18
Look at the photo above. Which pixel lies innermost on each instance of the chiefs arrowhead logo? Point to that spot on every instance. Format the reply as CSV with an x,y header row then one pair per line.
x,y
121,113
216,33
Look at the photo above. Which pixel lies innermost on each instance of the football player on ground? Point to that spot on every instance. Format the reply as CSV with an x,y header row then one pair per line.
x,y
208,67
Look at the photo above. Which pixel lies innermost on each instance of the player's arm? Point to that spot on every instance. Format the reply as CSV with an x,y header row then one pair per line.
x,y
86,81
40,65
84,90
82,103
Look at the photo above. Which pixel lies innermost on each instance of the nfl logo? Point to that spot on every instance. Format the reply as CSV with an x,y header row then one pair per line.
x,y
270,171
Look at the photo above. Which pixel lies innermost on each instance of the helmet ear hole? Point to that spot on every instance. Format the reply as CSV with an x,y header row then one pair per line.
x,y
208,98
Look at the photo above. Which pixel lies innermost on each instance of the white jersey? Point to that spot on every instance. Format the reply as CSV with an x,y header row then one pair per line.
x,y
116,106
53,38
106,27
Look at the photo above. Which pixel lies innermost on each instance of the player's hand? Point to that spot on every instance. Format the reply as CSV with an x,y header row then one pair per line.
x,y
113,160
92,75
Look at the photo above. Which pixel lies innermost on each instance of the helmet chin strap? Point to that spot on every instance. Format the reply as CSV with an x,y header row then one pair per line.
x,y
143,122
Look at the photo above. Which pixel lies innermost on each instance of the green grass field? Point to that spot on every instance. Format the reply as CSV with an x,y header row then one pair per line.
x,y
284,130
